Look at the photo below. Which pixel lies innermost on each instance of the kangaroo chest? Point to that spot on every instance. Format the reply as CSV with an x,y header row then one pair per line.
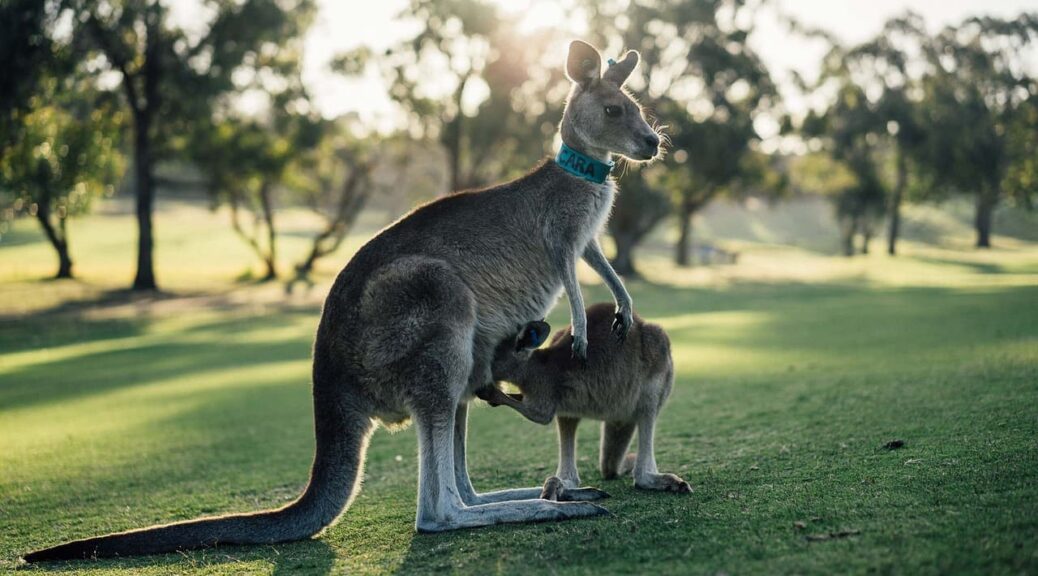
x,y
572,219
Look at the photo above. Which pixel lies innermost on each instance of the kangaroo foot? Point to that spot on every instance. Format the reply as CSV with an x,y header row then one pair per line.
x,y
554,489
664,483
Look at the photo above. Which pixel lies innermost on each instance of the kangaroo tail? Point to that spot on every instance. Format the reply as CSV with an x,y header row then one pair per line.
x,y
342,436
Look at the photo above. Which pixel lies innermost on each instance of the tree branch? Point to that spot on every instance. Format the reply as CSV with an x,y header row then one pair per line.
x,y
101,37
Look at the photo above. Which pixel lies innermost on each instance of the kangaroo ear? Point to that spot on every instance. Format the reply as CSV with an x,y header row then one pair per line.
x,y
584,63
618,72
532,335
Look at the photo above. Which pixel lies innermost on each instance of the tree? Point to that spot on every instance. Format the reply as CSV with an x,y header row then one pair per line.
x,y
707,83
169,79
851,130
640,206
710,170
245,161
1020,184
58,136
29,56
66,156
874,117
975,91
469,80
246,154
337,179
820,174
889,63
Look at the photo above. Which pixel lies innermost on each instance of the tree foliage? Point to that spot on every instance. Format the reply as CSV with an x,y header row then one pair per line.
x,y
170,78
245,162
337,179
704,80
463,80
66,156
59,136
246,155
888,66
978,100
874,117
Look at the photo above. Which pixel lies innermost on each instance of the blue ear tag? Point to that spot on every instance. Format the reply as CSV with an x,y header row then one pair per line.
x,y
611,62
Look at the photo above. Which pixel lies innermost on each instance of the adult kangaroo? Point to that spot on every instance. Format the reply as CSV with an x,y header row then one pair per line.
x,y
410,326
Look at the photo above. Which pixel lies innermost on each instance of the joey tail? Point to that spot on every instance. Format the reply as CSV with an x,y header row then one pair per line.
x,y
342,435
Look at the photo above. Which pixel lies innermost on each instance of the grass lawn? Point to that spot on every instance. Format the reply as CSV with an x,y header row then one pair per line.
x,y
793,371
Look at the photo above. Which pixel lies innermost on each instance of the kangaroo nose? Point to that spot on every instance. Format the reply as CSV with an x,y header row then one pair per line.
x,y
652,141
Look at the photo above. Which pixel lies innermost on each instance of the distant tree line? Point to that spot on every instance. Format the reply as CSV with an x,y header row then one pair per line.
x,y
920,117
95,91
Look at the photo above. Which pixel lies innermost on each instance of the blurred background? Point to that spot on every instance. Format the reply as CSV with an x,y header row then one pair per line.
x,y
839,240
261,138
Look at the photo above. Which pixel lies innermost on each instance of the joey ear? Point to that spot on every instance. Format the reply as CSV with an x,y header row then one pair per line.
x,y
618,72
584,63
532,335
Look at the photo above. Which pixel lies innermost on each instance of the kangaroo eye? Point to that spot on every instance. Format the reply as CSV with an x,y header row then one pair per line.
x,y
613,111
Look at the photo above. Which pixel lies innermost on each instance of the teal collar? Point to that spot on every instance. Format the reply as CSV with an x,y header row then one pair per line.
x,y
582,165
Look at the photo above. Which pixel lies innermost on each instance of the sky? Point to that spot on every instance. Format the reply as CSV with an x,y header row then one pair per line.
x,y
341,26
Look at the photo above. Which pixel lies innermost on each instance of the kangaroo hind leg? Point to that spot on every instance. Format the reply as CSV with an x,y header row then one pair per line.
x,y
422,320
616,437
646,476
440,506
461,474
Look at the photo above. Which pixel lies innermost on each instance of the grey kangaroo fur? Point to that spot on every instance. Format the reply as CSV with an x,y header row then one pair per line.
x,y
410,326
624,384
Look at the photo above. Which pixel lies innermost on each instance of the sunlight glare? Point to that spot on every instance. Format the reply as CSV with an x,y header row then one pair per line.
x,y
535,15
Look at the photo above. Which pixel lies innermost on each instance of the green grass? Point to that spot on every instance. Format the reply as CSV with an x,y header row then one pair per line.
x,y
793,370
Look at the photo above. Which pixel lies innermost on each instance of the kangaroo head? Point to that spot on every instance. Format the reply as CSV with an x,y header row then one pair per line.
x,y
512,353
601,118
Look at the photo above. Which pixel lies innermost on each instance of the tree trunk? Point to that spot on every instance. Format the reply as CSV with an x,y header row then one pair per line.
x,y
144,110
270,259
683,252
59,241
145,277
354,195
64,260
623,263
894,225
850,229
268,256
985,209
452,138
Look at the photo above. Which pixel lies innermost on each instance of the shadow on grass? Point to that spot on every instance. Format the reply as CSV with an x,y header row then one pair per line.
x,y
123,364
98,299
799,311
978,267
310,557
114,369
37,332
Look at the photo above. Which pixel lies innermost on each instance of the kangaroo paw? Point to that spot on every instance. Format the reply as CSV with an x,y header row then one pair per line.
x,y
664,483
553,489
